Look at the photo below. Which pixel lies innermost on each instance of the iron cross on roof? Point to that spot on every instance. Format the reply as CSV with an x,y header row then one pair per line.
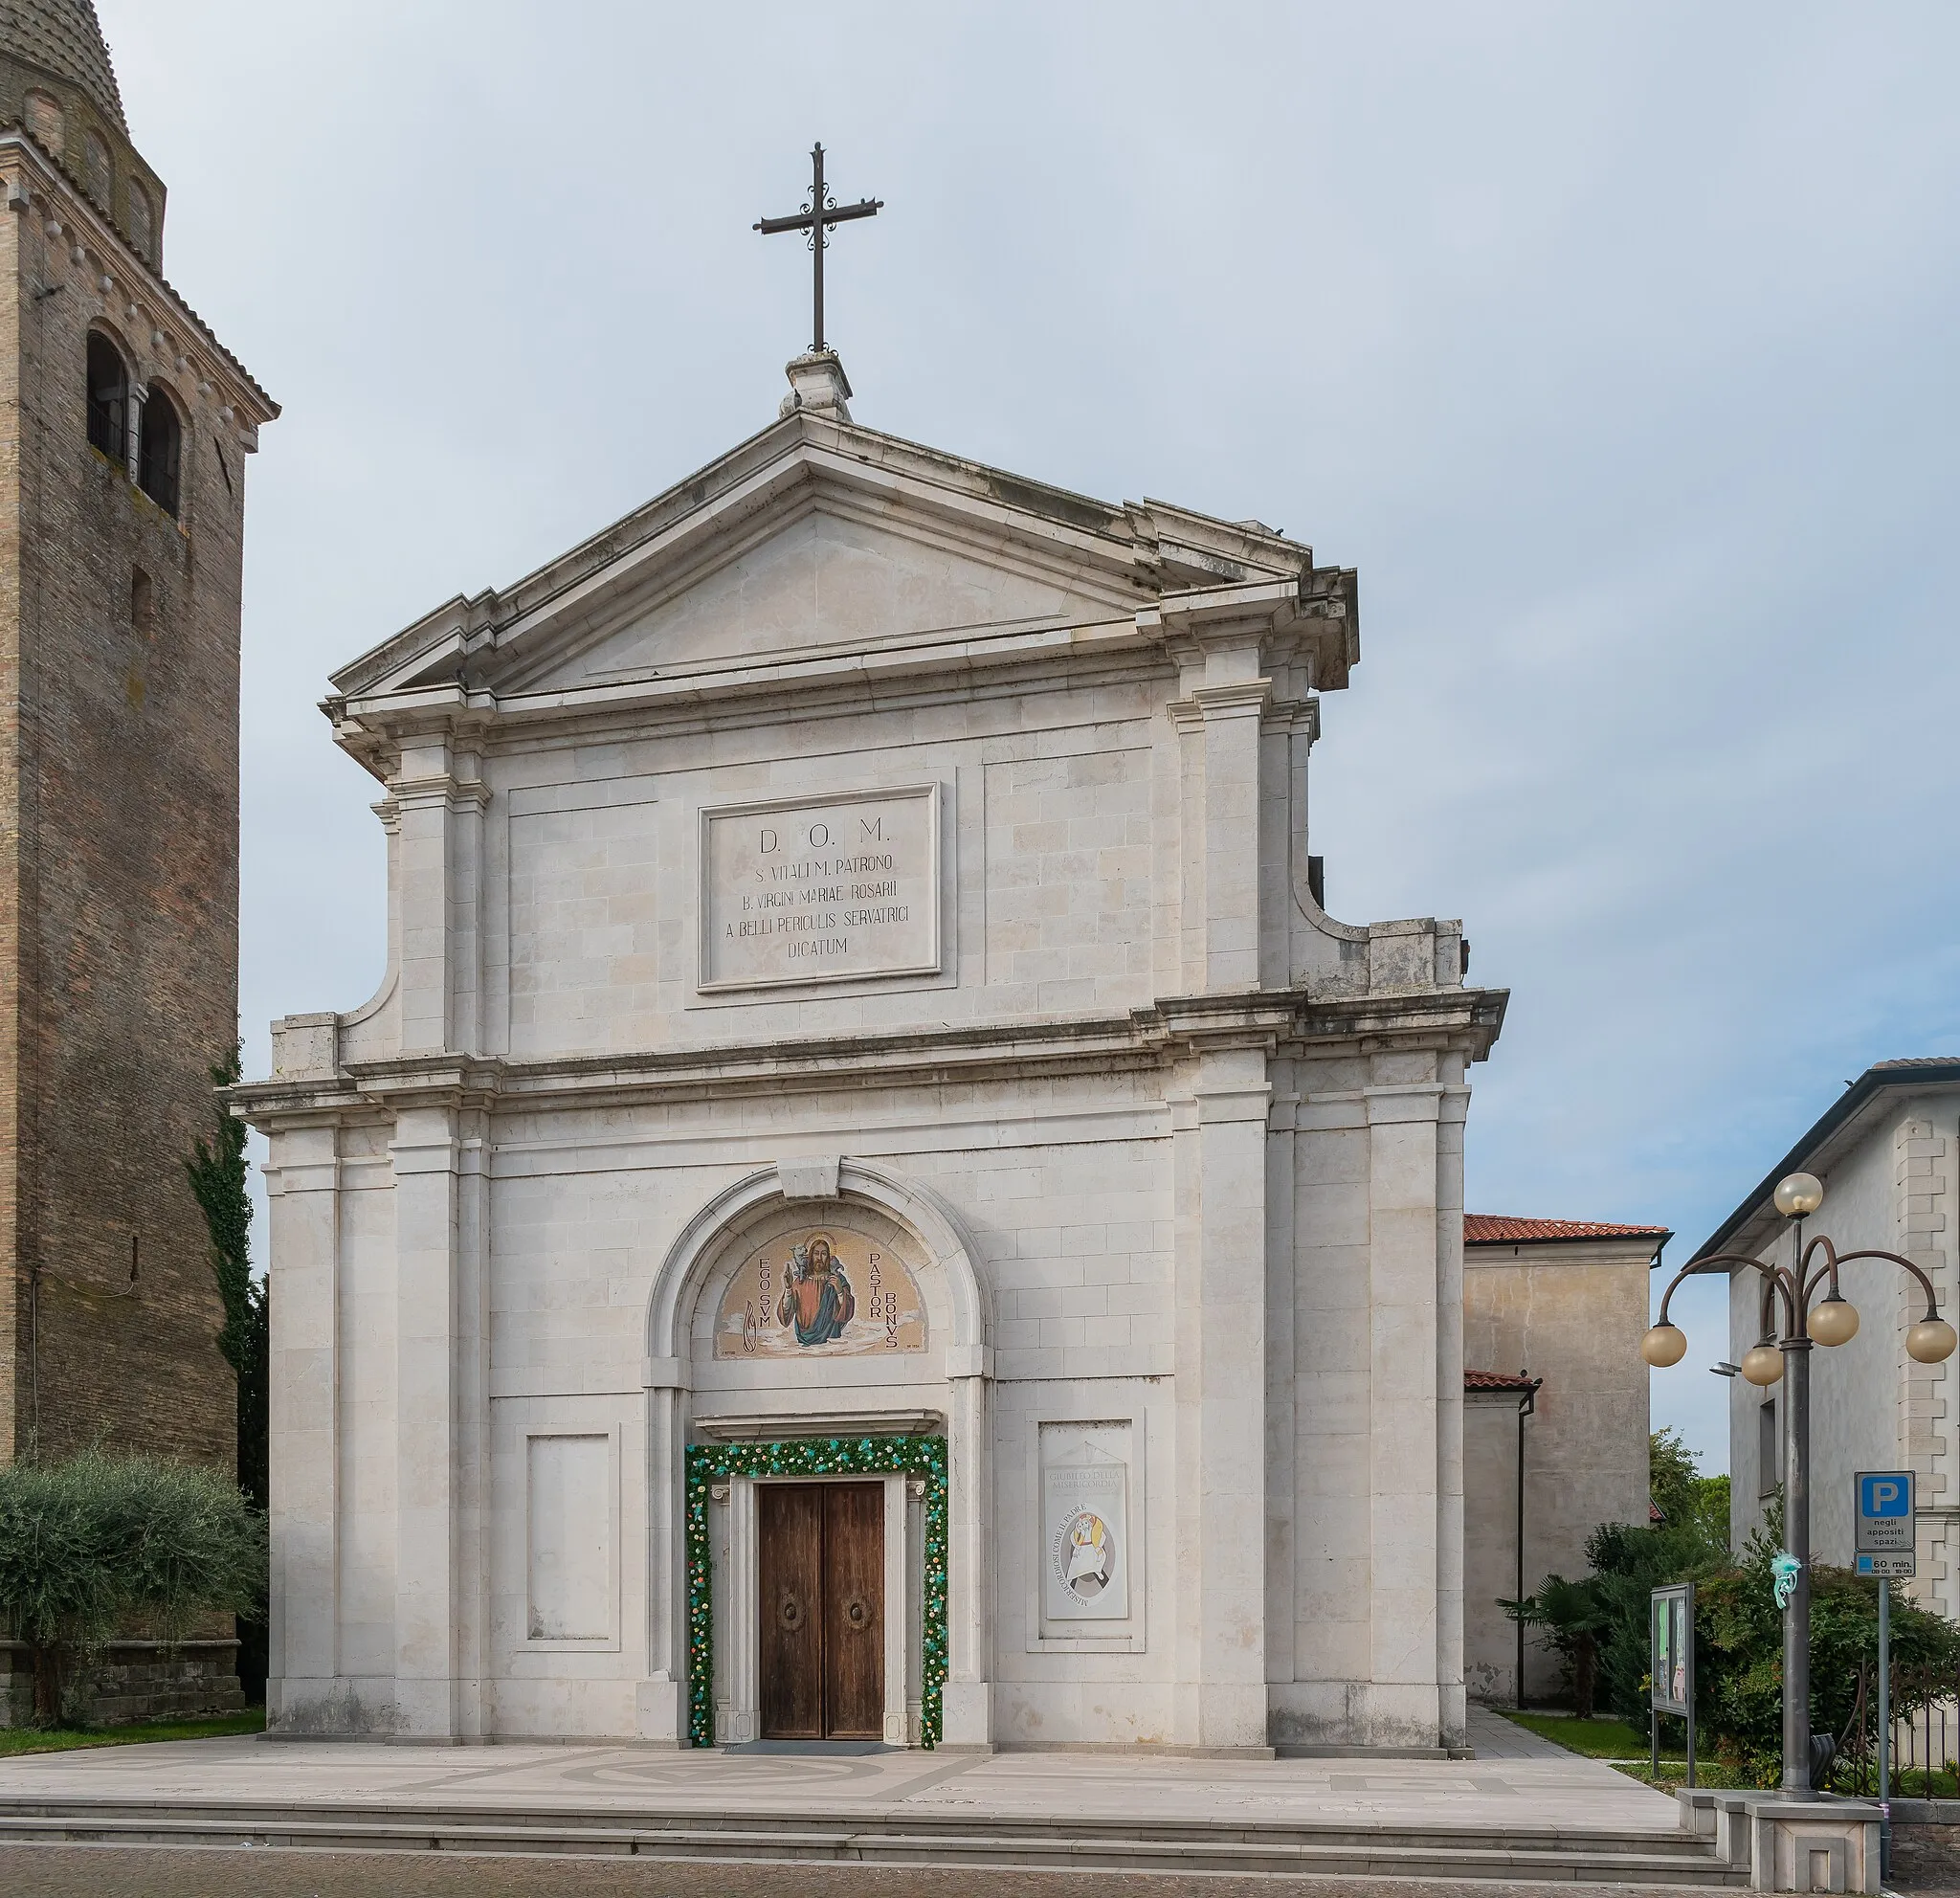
x,y
816,217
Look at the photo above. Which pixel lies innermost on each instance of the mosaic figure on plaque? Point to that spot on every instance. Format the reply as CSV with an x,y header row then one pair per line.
x,y
1090,1551
818,1300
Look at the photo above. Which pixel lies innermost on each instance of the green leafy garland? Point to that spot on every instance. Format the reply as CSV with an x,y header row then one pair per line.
x,y
808,1457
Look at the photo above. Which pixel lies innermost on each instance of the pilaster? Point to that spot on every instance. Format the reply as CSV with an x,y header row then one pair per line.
x,y
738,1706
1921,1162
898,1660
1189,722
427,1153
967,1702
1452,1111
439,800
474,1498
1282,1373
1233,844
303,1203
1221,1289
662,1714
1407,1428
1286,901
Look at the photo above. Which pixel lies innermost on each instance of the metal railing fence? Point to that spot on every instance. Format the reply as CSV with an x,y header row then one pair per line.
x,y
1925,1734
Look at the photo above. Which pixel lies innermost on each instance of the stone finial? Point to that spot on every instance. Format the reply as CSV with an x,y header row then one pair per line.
x,y
817,386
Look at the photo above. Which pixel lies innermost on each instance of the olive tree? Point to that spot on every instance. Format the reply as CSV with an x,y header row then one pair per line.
x,y
90,1543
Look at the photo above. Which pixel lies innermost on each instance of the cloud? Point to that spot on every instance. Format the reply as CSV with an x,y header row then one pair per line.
x,y
1612,344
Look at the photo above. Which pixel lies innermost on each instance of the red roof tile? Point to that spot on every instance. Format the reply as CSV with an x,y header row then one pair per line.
x,y
1495,1229
1499,1380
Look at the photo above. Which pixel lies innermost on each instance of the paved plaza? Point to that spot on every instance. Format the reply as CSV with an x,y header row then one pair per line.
x,y
308,1817
1549,1787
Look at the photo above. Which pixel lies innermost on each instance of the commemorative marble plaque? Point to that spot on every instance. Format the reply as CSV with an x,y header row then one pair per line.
x,y
1085,1529
821,888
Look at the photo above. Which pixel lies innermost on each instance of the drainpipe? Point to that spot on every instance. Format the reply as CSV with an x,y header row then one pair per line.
x,y
1526,1406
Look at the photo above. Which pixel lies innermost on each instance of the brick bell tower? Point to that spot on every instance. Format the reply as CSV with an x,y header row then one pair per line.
x,y
124,425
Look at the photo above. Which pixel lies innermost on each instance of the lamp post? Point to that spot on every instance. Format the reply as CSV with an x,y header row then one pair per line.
x,y
1791,1324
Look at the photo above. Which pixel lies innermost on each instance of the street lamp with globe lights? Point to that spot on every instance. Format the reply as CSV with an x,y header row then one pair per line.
x,y
1791,1325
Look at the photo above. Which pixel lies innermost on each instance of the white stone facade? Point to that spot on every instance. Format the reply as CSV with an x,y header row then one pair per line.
x,y
1888,1153
1161,1165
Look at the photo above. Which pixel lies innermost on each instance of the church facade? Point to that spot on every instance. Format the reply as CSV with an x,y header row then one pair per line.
x,y
873,1200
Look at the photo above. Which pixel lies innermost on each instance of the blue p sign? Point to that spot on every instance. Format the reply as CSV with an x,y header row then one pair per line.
x,y
1881,1496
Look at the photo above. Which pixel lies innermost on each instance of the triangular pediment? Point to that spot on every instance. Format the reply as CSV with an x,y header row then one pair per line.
x,y
823,573
811,542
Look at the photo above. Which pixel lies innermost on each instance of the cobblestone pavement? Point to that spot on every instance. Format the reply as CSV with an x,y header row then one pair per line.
x,y
122,1871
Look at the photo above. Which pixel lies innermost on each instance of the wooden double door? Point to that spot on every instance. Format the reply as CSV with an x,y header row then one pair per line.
x,y
821,1563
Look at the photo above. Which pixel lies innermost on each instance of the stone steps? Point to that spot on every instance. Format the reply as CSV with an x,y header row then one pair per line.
x,y
894,1838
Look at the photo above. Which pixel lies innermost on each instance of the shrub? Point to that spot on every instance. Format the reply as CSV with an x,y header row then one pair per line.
x,y
1599,1626
92,1541
1629,1563
1739,1652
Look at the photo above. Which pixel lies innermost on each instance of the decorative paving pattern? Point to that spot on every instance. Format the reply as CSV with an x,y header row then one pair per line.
x,y
630,1780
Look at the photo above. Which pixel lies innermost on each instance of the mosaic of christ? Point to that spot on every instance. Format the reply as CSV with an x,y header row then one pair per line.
x,y
826,1291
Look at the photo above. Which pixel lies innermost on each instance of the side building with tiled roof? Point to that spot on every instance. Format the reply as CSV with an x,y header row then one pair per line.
x,y
1555,1420
1887,1150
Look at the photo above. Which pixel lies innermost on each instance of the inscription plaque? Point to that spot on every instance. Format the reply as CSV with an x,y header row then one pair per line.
x,y
821,888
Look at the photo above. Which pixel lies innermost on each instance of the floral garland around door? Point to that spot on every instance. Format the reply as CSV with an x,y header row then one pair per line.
x,y
708,1463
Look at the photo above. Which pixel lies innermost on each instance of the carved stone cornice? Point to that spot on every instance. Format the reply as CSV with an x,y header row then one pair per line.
x,y
1302,716
1164,1033
454,794
1237,698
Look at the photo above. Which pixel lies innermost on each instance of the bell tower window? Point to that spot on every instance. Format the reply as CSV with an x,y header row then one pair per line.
x,y
109,399
161,447
101,172
142,225
44,120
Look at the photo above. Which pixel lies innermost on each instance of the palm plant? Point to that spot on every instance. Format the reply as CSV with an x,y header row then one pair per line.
x,y
1573,1615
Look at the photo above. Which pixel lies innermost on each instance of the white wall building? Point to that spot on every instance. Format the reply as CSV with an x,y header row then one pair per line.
x,y
1887,1154
873,1200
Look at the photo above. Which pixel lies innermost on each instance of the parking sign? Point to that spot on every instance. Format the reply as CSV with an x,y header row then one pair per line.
x,y
1884,1543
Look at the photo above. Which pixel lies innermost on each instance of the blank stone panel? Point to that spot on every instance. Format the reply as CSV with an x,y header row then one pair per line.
x,y
1068,879
571,1521
583,930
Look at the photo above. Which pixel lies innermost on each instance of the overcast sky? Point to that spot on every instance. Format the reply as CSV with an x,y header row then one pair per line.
x,y
1613,344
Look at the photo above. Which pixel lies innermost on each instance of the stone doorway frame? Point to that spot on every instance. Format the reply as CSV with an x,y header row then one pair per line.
x,y
909,1467
671,1692
736,1718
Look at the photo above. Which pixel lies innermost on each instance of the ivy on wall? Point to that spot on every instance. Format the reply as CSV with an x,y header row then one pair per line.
x,y
708,1463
